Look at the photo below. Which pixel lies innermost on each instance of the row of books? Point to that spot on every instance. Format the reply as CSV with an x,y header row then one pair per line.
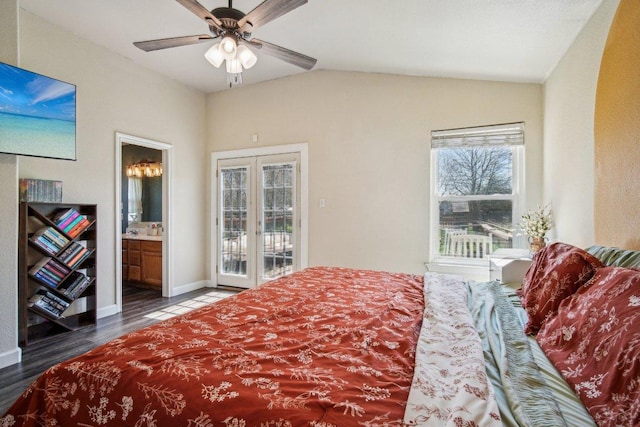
x,y
50,271
48,303
40,190
75,285
59,276
49,239
74,254
71,222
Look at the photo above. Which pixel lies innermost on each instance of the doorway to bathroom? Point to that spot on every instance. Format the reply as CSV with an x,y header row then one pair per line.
x,y
142,219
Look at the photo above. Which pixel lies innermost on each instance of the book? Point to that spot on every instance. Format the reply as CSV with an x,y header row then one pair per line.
x,y
49,271
62,214
80,256
58,268
72,223
75,284
80,288
45,279
43,246
44,272
50,236
79,227
70,252
40,304
56,236
48,303
38,265
44,242
68,219
49,241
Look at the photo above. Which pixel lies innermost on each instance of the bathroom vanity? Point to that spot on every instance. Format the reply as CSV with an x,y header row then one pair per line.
x,y
142,260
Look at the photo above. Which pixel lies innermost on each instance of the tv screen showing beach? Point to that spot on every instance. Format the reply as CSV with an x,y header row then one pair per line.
x,y
37,115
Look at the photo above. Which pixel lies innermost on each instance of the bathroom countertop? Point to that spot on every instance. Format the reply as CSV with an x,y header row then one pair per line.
x,y
141,237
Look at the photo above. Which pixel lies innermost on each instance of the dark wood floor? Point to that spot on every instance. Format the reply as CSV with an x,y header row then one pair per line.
x,y
140,308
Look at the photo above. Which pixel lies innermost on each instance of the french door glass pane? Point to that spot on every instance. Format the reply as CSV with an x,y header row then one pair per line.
x,y
234,217
277,220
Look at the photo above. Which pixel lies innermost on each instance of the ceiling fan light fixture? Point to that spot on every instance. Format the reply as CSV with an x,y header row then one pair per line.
x,y
228,47
246,57
214,55
234,29
234,66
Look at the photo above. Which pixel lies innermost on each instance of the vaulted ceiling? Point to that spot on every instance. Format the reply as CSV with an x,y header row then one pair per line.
x,y
505,40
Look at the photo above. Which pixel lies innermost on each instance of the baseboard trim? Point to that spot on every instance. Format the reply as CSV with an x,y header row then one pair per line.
x,y
109,310
179,290
10,357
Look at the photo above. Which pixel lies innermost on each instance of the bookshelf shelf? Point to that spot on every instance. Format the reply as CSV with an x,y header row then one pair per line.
x,y
56,269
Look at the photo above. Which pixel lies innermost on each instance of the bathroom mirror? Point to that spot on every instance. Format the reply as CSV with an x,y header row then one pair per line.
x,y
141,196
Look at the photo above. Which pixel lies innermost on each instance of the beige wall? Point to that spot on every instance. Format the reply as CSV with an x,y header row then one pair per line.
x,y
115,94
617,133
569,99
9,352
368,137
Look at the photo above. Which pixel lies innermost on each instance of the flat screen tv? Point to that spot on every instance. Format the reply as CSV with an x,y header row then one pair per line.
x,y
37,115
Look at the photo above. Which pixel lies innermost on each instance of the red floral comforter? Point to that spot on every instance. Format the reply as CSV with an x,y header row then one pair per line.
x,y
323,347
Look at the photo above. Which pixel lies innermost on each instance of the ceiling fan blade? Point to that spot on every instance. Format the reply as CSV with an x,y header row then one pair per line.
x,y
295,58
267,11
150,45
202,12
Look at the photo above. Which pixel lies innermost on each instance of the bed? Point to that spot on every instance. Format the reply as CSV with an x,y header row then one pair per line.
x,y
337,347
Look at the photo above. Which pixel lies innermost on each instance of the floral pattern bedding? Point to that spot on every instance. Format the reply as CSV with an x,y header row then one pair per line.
x,y
450,385
594,341
322,347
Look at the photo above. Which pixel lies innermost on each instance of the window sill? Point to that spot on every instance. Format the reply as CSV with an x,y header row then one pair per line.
x,y
477,270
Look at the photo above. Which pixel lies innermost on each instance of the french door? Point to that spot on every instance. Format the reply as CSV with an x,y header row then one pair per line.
x,y
258,219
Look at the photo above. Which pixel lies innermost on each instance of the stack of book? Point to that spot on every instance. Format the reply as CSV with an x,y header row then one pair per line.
x,y
71,222
40,190
48,303
74,254
75,285
50,271
49,239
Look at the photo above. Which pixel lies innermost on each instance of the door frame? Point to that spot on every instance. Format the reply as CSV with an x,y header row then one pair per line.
x,y
167,180
303,150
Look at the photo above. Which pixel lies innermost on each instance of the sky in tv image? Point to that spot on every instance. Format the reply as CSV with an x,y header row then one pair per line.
x,y
37,114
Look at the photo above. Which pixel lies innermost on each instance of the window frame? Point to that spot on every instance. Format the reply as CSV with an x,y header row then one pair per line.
x,y
517,197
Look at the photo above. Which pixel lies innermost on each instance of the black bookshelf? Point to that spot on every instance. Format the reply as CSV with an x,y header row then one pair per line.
x,y
56,269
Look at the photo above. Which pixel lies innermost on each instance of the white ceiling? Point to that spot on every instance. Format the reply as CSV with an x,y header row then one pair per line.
x,y
506,40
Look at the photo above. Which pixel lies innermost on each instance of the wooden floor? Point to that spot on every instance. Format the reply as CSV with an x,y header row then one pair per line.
x,y
140,308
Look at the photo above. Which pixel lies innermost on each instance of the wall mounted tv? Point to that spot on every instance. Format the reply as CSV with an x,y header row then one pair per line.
x,y
37,115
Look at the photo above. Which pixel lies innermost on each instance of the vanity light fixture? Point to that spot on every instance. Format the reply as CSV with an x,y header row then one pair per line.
x,y
144,168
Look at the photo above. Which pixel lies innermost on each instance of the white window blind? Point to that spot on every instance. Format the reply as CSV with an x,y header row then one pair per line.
x,y
503,134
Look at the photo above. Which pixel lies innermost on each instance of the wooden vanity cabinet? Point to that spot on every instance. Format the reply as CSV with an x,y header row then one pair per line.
x,y
151,260
135,266
142,262
125,259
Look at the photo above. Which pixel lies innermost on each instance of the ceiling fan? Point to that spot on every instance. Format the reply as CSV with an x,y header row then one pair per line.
x,y
234,29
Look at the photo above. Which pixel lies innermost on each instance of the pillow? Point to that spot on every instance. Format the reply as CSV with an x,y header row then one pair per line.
x,y
556,272
594,341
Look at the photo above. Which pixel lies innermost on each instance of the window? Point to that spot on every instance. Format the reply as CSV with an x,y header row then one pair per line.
x,y
135,199
476,194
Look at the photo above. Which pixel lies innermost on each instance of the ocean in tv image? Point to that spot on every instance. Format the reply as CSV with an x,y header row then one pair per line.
x,y
37,114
